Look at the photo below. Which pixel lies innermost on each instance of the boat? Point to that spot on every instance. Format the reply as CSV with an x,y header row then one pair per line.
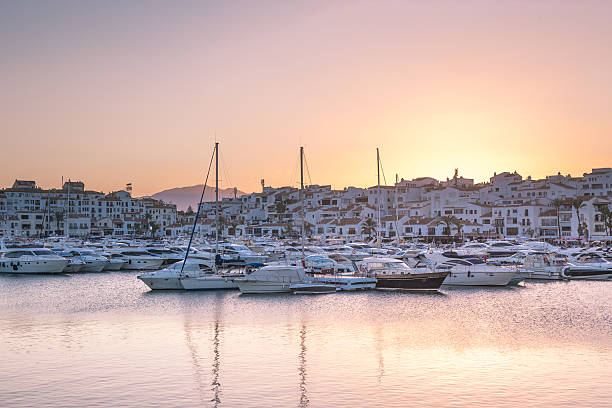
x,y
588,266
170,277
347,282
74,266
469,271
137,259
475,272
93,262
541,266
391,273
313,288
271,279
31,261
114,263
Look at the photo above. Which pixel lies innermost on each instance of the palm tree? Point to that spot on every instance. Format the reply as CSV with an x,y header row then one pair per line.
x,y
280,208
459,224
449,221
606,216
578,203
59,217
368,227
557,202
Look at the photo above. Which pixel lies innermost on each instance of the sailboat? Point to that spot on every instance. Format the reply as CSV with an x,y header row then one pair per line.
x,y
194,273
392,273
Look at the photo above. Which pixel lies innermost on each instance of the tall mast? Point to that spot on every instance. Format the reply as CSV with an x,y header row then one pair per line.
x,y
397,231
216,200
379,203
302,193
66,231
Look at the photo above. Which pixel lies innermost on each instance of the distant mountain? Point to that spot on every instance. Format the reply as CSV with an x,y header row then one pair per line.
x,y
184,197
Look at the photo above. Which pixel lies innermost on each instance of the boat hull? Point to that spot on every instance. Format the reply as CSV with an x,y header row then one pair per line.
x,y
479,278
160,283
211,282
113,266
348,283
313,288
34,267
586,273
94,266
246,286
143,264
430,281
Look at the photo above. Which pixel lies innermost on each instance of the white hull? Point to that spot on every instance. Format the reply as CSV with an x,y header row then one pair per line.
x,y
348,283
168,283
208,282
246,286
33,267
73,268
540,275
136,264
113,266
478,278
94,266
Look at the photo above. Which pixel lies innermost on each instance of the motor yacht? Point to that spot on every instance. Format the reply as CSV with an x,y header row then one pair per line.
x,y
392,273
475,272
93,262
170,277
138,259
588,266
541,266
271,279
31,260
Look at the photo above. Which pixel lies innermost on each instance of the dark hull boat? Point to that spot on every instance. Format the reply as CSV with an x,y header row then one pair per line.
x,y
423,281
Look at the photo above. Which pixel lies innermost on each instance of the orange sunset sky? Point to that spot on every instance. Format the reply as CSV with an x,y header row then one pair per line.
x,y
113,92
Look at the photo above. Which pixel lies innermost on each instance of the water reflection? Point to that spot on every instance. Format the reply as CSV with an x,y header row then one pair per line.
x,y
302,368
190,329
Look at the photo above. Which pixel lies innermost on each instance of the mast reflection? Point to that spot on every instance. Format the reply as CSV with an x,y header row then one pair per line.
x,y
304,402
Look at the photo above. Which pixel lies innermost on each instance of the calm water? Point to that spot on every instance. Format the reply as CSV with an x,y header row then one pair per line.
x,y
105,340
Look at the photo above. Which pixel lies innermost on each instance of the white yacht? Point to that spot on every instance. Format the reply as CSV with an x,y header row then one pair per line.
x,y
171,278
541,266
347,282
115,263
138,259
75,265
271,279
93,262
208,279
475,272
31,260
588,266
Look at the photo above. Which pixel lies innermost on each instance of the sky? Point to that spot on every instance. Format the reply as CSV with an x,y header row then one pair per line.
x,y
118,92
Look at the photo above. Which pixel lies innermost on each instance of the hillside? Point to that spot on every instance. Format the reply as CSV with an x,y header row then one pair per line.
x,y
184,197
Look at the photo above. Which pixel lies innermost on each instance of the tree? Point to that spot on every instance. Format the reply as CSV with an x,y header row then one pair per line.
x,y
606,217
232,228
59,217
280,208
369,227
557,202
449,221
578,203
189,211
459,224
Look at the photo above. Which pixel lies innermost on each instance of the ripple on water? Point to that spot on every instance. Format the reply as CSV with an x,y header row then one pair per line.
x,y
105,340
